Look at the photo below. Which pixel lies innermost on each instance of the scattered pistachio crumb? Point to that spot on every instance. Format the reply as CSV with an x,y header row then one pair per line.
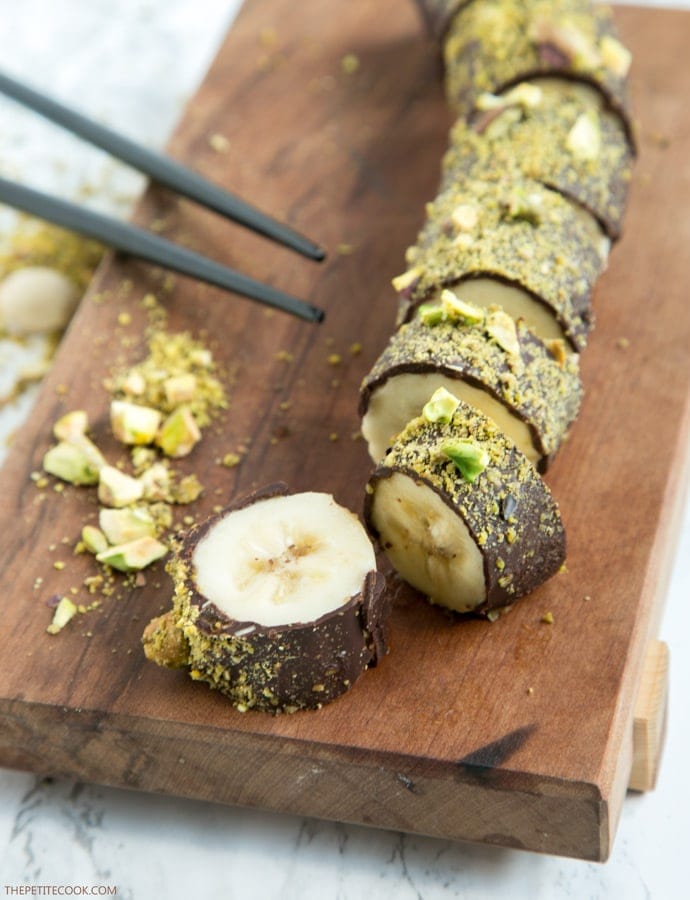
x,y
349,63
124,318
219,143
547,618
623,343
283,356
334,359
345,249
333,436
355,348
59,565
230,460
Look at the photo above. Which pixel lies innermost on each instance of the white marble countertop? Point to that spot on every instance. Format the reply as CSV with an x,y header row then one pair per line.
x,y
64,833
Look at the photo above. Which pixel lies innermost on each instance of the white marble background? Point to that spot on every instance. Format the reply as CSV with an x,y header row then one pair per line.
x,y
133,63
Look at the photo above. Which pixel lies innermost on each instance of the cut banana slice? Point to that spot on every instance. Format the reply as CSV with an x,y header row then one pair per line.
x,y
278,602
513,243
495,364
587,156
492,45
462,515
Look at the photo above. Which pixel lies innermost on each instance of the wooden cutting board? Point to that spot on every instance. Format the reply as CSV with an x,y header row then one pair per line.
x,y
516,733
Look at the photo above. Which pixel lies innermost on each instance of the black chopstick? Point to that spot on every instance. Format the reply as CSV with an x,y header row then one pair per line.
x,y
161,168
150,247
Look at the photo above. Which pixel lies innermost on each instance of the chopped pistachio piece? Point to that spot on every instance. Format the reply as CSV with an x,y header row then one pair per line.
x,y
614,56
156,482
501,327
93,539
133,555
117,489
180,388
431,314
469,457
64,611
407,279
179,434
71,426
70,463
524,205
132,423
441,406
584,138
457,310
120,526
465,217
524,94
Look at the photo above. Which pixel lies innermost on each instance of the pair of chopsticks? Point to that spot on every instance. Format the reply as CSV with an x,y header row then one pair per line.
x,y
138,242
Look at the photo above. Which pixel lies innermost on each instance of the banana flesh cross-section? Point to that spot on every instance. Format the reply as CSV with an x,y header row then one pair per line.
x,y
277,602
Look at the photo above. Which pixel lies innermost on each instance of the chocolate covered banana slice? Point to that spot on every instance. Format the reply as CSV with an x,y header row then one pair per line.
x,y
513,243
277,603
556,132
484,357
462,515
493,44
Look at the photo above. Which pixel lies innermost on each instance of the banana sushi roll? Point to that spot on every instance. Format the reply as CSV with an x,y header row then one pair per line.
x,y
277,603
512,243
494,44
462,514
559,133
486,358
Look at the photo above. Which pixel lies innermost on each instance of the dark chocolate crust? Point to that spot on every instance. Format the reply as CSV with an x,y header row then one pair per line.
x,y
493,44
508,510
555,256
300,665
512,137
542,391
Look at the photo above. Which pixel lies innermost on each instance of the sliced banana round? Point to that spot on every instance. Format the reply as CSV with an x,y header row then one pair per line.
x,y
512,243
462,515
277,600
484,357
587,156
492,45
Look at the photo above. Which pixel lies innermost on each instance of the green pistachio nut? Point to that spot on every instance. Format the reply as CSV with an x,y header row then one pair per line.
x,y
64,612
133,555
71,426
431,314
132,423
469,458
120,526
501,327
457,310
117,489
70,463
614,56
441,406
180,388
584,138
179,433
93,539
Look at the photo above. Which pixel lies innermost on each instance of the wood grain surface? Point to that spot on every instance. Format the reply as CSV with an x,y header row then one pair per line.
x,y
516,733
